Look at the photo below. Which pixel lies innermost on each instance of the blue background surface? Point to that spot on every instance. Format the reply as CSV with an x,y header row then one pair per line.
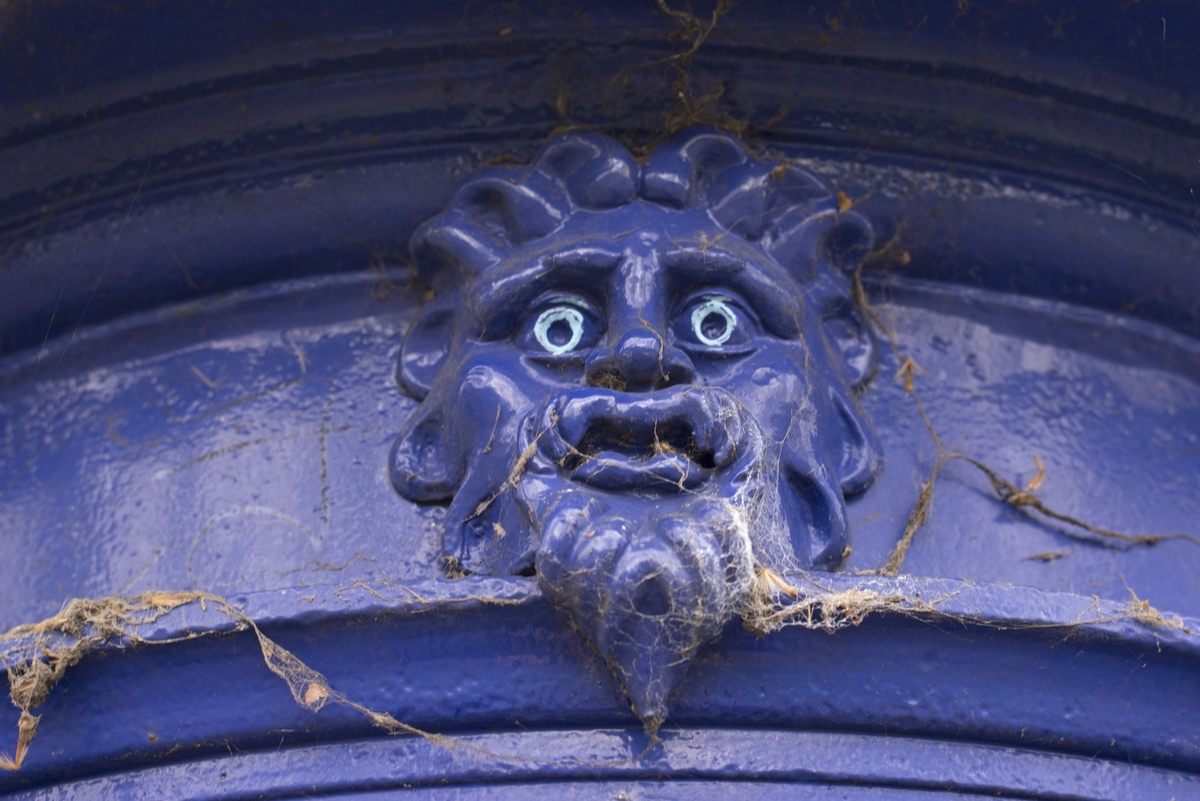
x,y
240,443
204,211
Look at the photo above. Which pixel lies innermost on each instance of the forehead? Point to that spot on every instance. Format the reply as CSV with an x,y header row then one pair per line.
x,y
640,252
643,229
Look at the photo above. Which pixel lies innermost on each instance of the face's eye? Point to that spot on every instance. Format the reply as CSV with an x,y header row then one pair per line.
x,y
564,325
713,322
559,330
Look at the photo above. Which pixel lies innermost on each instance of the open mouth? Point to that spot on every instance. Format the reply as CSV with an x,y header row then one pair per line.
x,y
666,441
620,439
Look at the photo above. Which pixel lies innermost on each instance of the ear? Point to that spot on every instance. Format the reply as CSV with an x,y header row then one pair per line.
x,y
490,213
514,211
752,198
421,466
858,459
852,341
846,241
424,350
815,513
808,244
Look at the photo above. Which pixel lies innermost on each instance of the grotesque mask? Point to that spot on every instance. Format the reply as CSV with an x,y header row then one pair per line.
x,y
638,384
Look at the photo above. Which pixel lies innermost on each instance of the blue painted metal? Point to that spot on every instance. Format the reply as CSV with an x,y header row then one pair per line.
x,y
1018,675
804,765
638,384
205,215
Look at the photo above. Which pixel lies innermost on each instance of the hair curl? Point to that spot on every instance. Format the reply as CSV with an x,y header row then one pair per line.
x,y
788,212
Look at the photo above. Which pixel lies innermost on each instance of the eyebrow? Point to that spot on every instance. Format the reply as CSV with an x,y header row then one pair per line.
x,y
508,294
772,293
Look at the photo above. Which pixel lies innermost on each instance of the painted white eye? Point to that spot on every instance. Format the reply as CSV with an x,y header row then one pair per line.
x,y
559,329
713,322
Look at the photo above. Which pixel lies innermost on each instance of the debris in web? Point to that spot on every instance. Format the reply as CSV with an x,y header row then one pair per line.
x,y
63,639
775,603
826,610
690,110
1048,556
687,108
311,689
917,518
1024,498
53,646
1006,491
514,477
1140,610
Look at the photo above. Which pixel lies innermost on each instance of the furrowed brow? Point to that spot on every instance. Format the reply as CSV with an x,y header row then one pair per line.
x,y
505,296
772,292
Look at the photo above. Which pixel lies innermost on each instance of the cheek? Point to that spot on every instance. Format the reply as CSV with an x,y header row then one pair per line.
x,y
780,393
551,376
494,391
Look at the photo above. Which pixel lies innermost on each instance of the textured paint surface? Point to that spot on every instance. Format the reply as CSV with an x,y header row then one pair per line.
x,y
638,383
287,455
831,767
1001,665
204,219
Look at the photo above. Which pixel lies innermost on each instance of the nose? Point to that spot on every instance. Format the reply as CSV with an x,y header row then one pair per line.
x,y
641,361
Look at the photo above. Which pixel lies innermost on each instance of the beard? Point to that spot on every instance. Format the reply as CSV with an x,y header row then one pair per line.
x,y
645,518
650,513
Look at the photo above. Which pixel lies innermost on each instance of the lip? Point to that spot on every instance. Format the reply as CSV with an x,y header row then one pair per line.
x,y
672,440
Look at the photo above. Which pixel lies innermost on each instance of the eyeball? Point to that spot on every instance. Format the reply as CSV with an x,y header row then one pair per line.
x,y
559,329
563,326
713,323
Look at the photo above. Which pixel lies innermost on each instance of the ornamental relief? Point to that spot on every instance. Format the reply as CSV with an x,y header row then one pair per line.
x,y
638,383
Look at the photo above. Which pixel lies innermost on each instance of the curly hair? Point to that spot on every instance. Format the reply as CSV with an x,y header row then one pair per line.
x,y
791,215
500,218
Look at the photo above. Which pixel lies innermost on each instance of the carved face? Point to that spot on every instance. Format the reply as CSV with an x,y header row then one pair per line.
x,y
638,385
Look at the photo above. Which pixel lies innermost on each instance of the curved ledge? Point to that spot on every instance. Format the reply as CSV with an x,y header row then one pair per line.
x,y
600,764
980,663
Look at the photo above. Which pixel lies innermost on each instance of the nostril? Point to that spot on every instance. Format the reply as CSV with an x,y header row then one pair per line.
x,y
640,362
607,379
651,597
676,369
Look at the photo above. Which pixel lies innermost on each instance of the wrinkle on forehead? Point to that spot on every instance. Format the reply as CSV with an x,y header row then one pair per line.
x,y
654,255
508,290
581,262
